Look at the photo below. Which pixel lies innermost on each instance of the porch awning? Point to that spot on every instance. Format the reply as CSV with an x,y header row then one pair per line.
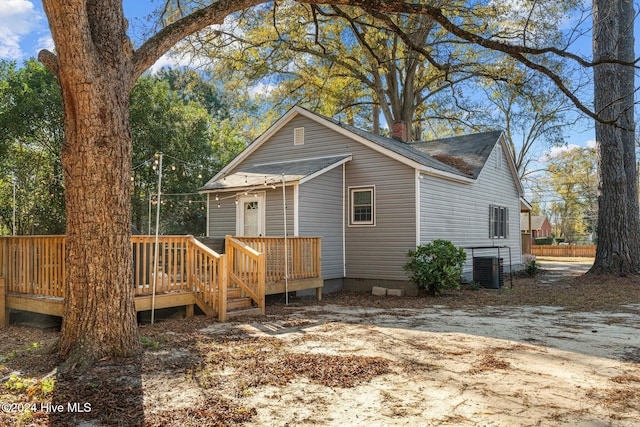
x,y
266,174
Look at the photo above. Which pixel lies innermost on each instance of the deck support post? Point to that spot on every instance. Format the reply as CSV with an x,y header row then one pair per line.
x,y
190,310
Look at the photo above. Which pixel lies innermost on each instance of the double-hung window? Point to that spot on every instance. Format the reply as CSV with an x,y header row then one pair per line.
x,y
362,201
498,222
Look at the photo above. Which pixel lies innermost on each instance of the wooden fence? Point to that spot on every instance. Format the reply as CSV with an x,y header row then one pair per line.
x,y
584,251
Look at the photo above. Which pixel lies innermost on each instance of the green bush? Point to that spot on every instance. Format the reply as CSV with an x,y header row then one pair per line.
x,y
543,241
436,266
529,264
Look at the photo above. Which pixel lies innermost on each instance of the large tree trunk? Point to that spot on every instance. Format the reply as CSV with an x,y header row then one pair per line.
x,y
626,53
617,251
94,70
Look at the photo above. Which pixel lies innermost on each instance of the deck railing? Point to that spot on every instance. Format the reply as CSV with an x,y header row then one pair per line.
x,y
170,272
246,269
208,275
33,264
303,256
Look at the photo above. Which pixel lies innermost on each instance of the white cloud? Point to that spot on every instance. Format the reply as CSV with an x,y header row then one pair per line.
x,y
18,18
177,60
261,89
554,152
45,42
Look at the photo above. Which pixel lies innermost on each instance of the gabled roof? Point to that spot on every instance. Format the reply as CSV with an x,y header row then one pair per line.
x,y
536,222
469,157
401,148
470,151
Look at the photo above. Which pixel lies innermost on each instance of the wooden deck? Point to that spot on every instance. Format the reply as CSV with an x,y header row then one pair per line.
x,y
187,273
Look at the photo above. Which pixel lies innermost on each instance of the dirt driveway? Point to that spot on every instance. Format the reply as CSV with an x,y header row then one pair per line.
x,y
565,266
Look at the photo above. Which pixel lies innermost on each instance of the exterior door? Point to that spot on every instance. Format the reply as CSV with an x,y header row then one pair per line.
x,y
250,215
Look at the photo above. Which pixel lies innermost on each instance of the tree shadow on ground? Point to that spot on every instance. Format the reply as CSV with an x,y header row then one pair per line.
x,y
108,393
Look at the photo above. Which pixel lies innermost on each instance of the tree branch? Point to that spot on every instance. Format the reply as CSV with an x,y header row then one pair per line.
x,y
50,61
163,40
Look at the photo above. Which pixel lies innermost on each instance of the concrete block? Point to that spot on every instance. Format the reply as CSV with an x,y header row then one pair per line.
x,y
377,290
395,292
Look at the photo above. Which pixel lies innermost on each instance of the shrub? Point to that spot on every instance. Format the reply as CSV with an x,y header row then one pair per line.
x,y
436,266
529,264
543,241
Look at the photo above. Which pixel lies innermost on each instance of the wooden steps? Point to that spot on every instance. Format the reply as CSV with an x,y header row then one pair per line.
x,y
238,305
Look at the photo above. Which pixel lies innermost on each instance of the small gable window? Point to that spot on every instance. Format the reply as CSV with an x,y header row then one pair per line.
x,y
498,222
298,136
362,201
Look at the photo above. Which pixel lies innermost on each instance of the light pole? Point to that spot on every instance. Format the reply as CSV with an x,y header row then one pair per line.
x,y
155,258
13,179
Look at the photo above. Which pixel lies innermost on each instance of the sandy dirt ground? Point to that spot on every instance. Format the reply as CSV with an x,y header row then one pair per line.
x,y
419,366
523,366
491,367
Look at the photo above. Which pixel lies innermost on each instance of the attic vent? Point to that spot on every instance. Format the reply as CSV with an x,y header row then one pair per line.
x,y
298,136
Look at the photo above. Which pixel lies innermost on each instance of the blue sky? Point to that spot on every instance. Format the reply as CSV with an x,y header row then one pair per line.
x,y
24,31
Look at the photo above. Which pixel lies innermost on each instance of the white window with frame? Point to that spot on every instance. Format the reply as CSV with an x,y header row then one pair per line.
x,y
250,215
498,222
362,206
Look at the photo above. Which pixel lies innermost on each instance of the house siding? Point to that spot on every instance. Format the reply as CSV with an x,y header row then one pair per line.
x,y
274,225
222,220
376,252
320,214
460,213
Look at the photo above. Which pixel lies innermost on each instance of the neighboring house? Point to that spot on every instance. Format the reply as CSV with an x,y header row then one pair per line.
x,y
540,225
369,197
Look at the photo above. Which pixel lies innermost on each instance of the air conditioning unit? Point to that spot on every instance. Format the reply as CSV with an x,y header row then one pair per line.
x,y
488,272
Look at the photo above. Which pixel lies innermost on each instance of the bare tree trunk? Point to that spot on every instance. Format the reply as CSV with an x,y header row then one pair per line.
x,y
94,69
616,252
626,53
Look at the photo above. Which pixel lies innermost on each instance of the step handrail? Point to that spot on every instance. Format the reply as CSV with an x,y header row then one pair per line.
x,y
247,269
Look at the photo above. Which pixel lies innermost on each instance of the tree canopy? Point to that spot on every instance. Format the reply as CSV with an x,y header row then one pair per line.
x,y
175,112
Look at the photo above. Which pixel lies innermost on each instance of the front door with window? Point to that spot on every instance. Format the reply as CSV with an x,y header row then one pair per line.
x,y
250,215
